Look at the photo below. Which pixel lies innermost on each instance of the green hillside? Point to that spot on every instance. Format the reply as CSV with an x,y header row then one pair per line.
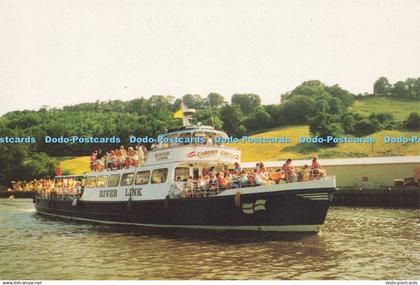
x,y
400,108
273,152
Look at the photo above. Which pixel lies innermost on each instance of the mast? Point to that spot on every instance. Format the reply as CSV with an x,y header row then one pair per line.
x,y
186,115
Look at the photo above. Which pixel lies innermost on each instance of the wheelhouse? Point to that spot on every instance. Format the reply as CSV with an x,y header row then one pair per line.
x,y
201,135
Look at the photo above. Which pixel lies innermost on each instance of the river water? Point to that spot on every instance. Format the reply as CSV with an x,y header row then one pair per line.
x,y
355,243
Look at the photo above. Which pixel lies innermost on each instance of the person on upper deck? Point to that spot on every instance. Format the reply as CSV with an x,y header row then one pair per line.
x,y
205,172
99,161
154,146
243,179
201,183
213,182
315,164
122,156
178,187
145,151
287,169
212,170
315,167
226,170
93,161
222,181
258,179
237,168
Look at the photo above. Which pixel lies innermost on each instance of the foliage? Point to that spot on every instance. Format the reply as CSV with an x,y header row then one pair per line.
x,y
410,88
382,87
330,110
413,122
247,102
231,115
325,125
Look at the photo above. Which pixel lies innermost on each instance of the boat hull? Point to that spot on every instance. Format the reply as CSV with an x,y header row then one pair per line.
x,y
277,211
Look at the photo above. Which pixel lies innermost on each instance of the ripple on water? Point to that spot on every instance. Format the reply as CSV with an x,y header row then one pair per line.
x,y
355,243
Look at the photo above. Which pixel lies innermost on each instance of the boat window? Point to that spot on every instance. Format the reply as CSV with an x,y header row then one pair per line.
x,y
113,180
196,172
102,181
185,138
127,179
183,172
199,138
173,140
142,177
91,182
159,175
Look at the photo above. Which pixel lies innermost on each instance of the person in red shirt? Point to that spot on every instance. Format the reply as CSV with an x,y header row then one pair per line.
x,y
287,169
315,168
223,182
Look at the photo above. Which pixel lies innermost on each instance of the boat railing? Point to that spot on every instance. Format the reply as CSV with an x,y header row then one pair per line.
x,y
186,192
59,194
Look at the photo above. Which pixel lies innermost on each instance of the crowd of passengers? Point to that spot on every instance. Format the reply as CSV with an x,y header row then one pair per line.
x,y
33,185
211,182
118,158
126,157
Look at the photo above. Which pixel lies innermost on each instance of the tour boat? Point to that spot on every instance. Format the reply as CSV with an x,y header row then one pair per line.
x,y
144,195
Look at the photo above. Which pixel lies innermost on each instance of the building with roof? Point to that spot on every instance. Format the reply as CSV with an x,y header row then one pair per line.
x,y
367,172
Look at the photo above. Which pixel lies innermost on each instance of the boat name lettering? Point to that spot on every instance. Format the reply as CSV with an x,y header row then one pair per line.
x,y
162,156
133,192
108,193
206,153
230,155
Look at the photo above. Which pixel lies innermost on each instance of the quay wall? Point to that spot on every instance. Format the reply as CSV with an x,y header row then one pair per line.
x,y
380,197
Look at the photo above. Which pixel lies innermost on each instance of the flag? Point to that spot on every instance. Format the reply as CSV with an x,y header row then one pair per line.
x,y
179,114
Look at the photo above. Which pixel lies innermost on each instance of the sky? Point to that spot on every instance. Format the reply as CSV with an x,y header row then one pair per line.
x,y
63,52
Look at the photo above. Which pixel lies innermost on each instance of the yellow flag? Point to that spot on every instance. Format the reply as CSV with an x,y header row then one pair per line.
x,y
179,114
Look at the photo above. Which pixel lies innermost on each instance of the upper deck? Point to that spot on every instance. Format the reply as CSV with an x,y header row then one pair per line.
x,y
192,144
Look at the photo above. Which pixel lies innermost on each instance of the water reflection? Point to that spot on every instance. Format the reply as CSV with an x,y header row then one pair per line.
x,y
355,243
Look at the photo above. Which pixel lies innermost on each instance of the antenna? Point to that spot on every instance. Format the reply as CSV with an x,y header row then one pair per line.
x,y
211,113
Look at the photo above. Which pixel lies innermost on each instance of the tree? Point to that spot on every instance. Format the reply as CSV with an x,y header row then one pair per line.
x,y
382,117
216,100
311,88
205,117
231,116
413,122
258,120
416,88
345,96
325,125
193,101
381,87
240,130
410,85
336,107
263,118
400,89
348,121
365,127
298,110
247,102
